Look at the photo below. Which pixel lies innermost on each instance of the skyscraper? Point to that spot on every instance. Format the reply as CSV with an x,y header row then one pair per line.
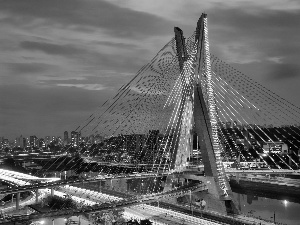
x,y
66,138
74,138
23,143
47,140
33,141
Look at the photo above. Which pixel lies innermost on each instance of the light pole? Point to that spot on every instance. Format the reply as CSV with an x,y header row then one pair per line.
x,y
191,201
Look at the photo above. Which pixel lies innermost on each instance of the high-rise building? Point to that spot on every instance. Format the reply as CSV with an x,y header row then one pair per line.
x,y
66,138
59,140
5,143
54,140
74,138
42,143
47,140
33,141
23,143
18,141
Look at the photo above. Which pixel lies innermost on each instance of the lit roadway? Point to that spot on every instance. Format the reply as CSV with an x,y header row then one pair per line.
x,y
90,205
266,171
54,182
92,202
271,180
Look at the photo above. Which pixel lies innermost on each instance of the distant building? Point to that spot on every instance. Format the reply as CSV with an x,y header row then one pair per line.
x,y
59,140
23,145
74,138
54,140
33,141
47,140
5,143
42,143
66,138
18,141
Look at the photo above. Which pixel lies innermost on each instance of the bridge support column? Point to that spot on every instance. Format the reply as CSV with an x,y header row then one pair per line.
x,y
18,201
52,191
237,177
99,187
36,195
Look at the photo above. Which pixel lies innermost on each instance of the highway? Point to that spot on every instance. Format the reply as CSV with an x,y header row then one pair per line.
x,y
91,198
266,171
53,182
93,201
271,180
164,216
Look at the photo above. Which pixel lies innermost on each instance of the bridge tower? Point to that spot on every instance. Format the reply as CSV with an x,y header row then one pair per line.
x,y
204,117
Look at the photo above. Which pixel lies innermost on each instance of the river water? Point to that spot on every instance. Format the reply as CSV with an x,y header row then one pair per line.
x,y
285,212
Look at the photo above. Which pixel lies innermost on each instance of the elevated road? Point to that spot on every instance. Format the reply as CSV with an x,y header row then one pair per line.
x,y
265,171
134,207
88,198
55,183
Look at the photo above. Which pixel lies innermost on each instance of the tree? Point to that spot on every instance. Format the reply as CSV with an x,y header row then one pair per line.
x,y
146,222
56,202
114,216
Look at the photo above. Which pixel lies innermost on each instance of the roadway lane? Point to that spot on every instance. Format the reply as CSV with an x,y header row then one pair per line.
x,y
88,197
214,216
166,216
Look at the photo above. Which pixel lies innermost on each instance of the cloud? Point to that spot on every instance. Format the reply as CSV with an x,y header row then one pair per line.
x,y
31,110
116,44
275,59
90,14
284,71
90,87
51,49
60,59
89,57
21,68
254,33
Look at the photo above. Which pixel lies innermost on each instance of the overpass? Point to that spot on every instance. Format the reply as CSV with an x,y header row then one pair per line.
x,y
55,182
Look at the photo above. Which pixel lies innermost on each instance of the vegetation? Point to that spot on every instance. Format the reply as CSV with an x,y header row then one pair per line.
x,y
109,217
56,202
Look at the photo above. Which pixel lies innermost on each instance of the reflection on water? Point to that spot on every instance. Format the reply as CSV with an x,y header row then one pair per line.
x,y
285,212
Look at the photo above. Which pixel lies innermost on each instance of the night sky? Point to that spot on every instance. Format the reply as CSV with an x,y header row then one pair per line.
x,y
61,59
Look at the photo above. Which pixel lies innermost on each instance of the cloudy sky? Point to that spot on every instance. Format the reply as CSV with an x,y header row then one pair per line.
x,y
61,59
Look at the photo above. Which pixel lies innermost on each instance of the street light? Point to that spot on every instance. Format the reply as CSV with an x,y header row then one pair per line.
x,y
191,201
273,217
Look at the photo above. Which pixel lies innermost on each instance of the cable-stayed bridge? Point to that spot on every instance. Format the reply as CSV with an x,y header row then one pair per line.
x,y
187,108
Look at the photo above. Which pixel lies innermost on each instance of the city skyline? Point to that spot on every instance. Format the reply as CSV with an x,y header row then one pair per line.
x,y
59,63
